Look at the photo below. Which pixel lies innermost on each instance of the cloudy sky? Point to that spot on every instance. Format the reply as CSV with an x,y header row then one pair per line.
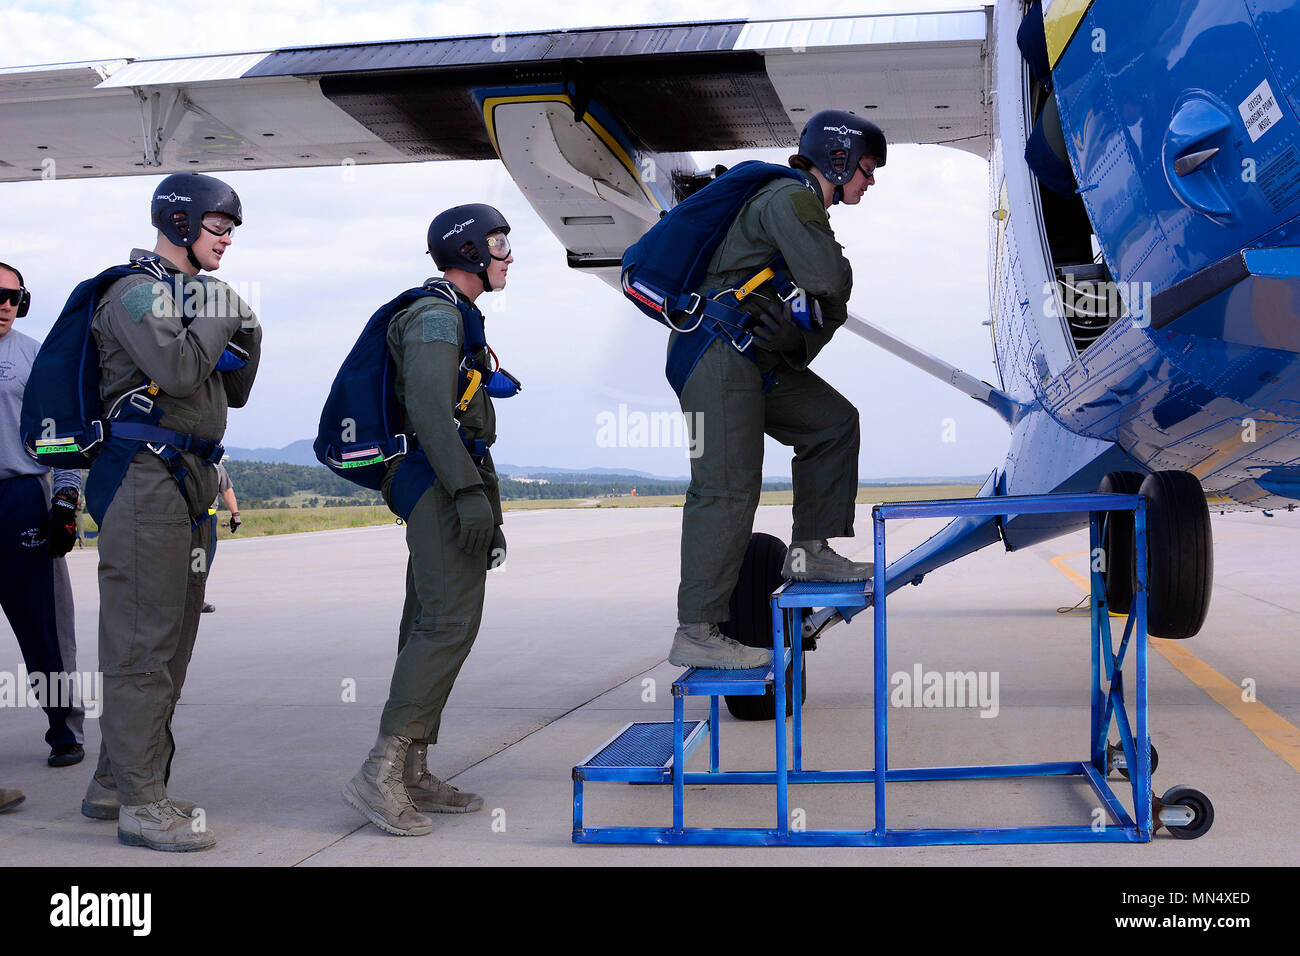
x,y
326,246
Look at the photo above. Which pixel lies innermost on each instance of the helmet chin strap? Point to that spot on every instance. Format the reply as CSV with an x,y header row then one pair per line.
x,y
837,195
487,286
189,254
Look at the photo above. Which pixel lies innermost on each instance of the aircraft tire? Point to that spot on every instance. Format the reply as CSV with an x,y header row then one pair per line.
x,y
751,621
1180,554
1117,542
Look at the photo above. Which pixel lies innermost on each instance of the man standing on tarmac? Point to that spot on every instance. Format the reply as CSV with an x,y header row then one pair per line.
x,y
446,490
225,493
36,531
742,390
176,349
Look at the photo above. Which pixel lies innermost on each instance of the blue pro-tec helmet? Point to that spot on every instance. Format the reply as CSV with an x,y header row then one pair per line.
x,y
181,200
458,238
835,141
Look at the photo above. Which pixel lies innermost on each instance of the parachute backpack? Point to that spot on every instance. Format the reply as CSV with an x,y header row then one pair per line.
x,y
662,269
361,426
62,424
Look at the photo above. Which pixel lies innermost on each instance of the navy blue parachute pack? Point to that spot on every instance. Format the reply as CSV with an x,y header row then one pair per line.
x,y
63,423
662,269
362,427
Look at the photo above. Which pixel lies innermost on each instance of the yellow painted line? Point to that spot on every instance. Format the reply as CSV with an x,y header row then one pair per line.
x,y
1273,730
1060,565
1058,562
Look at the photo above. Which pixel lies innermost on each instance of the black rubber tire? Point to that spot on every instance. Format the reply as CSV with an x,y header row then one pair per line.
x,y
751,621
1180,554
1155,763
1202,810
1117,542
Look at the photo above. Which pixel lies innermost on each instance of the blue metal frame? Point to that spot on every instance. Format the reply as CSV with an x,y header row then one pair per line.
x,y
789,604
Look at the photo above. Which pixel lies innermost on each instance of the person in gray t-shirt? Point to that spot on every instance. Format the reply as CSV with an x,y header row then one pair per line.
x,y
36,531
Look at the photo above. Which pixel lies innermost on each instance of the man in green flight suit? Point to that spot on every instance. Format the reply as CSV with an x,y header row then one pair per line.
x,y
176,349
739,391
446,490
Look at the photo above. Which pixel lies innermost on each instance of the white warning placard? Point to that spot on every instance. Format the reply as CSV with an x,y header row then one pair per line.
x,y
1259,111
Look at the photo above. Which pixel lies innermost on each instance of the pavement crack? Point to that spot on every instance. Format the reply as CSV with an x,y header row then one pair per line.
x,y
548,723
501,749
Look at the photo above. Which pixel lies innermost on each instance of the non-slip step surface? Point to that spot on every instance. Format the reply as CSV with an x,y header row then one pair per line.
x,y
647,745
714,675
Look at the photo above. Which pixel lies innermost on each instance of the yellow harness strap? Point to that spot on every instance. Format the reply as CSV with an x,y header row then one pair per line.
x,y
754,283
475,380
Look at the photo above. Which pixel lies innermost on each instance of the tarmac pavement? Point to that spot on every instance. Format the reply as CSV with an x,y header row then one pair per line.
x,y
290,674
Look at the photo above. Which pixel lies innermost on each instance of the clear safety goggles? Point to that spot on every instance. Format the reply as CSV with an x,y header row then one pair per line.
x,y
498,246
217,223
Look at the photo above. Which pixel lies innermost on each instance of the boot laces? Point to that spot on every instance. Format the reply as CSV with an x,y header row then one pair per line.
x,y
392,780
165,810
715,636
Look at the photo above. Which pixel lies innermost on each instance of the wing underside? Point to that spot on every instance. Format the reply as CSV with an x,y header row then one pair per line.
x,y
672,88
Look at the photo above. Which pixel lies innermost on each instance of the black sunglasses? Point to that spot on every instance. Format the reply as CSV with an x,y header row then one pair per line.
x,y
11,296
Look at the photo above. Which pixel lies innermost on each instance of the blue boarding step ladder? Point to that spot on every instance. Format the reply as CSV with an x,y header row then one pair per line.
x,y
652,751
657,752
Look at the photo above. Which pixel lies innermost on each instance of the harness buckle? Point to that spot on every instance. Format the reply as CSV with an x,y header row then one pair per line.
x,y
141,401
794,293
98,426
748,340
696,300
683,331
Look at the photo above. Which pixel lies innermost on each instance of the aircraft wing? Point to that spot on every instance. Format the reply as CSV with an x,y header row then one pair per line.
x,y
667,88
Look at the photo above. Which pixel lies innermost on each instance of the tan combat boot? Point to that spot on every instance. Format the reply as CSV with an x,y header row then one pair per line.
x,y
162,826
816,561
703,645
428,793
10,798
102,803
378,793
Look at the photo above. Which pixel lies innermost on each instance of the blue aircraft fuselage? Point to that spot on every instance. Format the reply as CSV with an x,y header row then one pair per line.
x,y
1180,120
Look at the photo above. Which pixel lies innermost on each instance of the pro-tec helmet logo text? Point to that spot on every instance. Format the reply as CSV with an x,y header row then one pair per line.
x,y
459,227
174,198
842,130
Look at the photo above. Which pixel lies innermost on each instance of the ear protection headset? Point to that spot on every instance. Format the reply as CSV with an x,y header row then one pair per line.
x,y
24,297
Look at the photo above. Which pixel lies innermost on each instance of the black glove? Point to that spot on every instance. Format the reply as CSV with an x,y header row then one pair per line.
x,y
496,555
234,522
61,524
476,520
775,330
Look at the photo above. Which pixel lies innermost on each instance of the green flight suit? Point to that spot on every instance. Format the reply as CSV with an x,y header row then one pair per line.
x,y
729,412
444,585
151,557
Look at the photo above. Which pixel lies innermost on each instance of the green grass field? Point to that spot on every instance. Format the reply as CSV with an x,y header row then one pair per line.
x,y
296,520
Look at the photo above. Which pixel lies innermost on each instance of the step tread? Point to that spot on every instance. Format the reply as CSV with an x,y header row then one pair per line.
x,y
647,744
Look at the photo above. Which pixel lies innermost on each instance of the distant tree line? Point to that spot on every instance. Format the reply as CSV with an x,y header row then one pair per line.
x,y
261,484
265,484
